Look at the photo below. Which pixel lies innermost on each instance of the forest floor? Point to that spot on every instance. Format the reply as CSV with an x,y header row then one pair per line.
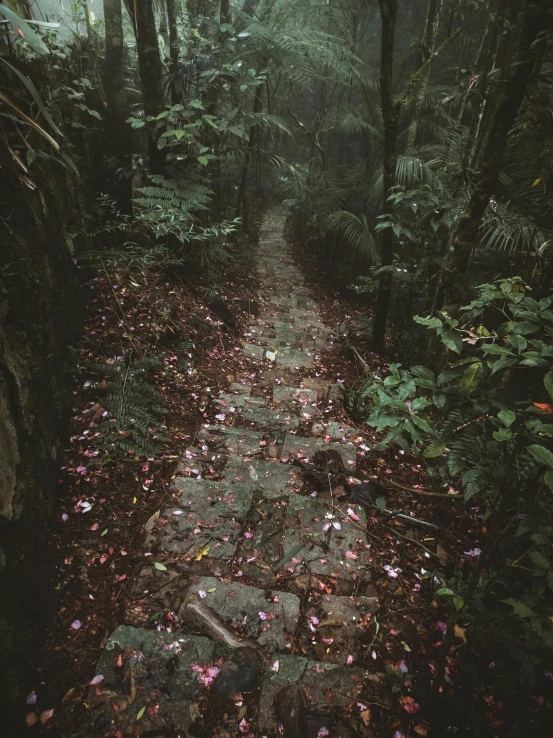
x,y
246,531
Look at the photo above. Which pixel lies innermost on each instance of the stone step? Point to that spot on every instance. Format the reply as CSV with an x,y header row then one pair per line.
x,y
297,447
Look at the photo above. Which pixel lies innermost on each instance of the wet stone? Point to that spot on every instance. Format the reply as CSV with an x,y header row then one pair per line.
x,y
304,448
226,400
240,389
344,620
293,395
159,666
271,478
331,690
236,441
253,351
206,517
266,418
239,673
337,553
271,617
294,359
339,430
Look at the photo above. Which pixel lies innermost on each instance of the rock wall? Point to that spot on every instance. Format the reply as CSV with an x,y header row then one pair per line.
x,y
39,321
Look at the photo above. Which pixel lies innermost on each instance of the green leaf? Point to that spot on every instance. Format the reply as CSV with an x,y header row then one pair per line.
x,y
538,559
548,383
522,329
471,378
517,342
444,592
493,348
541,454
507,417
159,567
380,503
548,478
203,160
36,97
434,450
458,602
34,41
141,712
197,104
423,424
452,340
503,434
519,608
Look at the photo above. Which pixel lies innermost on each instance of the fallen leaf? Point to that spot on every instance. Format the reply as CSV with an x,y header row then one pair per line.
x,y
159,567
199,556
150,523
45,716
544,407
460,633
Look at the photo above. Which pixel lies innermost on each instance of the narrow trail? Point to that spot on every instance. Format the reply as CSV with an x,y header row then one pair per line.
x,y
287,572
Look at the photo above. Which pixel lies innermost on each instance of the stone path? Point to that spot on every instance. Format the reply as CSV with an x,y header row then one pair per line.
x,y
287,571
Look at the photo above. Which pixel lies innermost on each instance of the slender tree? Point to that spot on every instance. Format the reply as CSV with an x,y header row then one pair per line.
x,y
390,116
533,15
118,109
151,75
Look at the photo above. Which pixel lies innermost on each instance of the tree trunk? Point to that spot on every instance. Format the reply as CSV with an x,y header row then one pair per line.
x,y
224,14
390,115
241,206
474,64
426,49
118,109
151,76
469,156
456,277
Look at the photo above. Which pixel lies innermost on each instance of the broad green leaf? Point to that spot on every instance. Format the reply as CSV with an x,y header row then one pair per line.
x,y
428,322
493,348
197,104
36,97
538,559
507,417
522,329
503,434
517,342
541,454
458,602
444,592
203,160
548,383
159,567
519,608
452,340
434,450
380,503
423,424
471,378
548,479
33,39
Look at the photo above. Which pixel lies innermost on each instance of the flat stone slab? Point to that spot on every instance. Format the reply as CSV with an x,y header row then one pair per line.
x,y
296,395
271,478
236,441
342,619
304,448
205,521
253,351
340,552
340,430
263,417
165,687
239,388
226,400
294,359
304,697
271,617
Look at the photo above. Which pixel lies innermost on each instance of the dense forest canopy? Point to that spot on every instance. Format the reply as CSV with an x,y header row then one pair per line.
x,y
410,145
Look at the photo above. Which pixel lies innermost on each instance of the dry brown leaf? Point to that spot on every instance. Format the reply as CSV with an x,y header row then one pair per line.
x,y
150,523
421,730
442,554
460,633
366,717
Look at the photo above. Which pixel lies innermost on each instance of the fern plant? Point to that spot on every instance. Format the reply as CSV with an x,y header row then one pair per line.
x,y
133,407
